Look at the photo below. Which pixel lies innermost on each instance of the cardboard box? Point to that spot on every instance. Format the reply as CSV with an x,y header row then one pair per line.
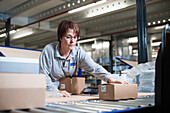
x,y
65,84
73,85
16,52
22,91
117,91
19,60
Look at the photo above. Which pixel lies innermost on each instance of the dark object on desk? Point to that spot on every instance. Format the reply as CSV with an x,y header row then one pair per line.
x,y
90,91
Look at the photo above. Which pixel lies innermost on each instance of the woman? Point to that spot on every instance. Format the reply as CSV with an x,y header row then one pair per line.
x,y
62,59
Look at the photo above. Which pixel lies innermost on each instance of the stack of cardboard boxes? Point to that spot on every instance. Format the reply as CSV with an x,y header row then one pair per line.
x,y
21,87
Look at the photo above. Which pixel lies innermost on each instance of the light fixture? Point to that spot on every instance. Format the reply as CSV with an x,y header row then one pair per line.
x,y
4,34
106,8
159,22
164,20
159,27
154,38
133,40
156,44
78,1
87,6
22,33
13,31
149,24
88,40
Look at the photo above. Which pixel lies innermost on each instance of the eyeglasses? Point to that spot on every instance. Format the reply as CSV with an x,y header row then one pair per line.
x,y
70,37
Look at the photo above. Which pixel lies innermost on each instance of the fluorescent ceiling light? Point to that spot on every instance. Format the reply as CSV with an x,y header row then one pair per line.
x,y
87,6
11,32
132,40
156,44
22,35
84,41
154,38
2,35
149,24
159,27
106,10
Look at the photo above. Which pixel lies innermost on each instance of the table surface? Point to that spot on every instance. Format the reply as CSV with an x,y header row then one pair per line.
x,y
83,97
91,103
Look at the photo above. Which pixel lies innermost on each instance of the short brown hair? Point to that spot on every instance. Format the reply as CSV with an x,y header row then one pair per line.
x,y
64,26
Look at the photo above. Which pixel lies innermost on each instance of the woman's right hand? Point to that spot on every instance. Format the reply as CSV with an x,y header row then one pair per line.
x,y
65,93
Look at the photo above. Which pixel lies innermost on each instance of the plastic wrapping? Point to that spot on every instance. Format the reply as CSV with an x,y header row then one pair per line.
x,y
143,75
51,94
147,81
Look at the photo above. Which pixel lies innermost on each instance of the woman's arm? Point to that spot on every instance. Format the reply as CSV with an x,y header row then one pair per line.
x,y
87,63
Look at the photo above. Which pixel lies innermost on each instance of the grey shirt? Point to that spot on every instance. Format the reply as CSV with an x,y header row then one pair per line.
x,y
55,66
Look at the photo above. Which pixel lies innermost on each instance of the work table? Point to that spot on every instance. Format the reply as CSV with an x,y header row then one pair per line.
x,y
84,97
91,103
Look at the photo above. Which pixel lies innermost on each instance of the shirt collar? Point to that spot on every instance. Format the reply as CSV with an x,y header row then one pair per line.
x,y
57,53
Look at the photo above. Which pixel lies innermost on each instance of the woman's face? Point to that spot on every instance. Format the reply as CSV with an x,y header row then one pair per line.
x,y
68,41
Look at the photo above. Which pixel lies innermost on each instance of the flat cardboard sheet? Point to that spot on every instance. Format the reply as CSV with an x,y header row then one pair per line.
x,y
83,97
132,63
19,53
72,98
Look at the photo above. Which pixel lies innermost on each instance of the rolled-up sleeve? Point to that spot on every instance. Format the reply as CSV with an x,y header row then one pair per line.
x,y
87,63
45,68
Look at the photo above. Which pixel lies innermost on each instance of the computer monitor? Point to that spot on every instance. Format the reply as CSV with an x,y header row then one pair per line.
x,y
162,79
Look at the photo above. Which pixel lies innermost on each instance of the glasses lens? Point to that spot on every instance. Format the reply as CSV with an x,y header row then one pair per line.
x,y
69,37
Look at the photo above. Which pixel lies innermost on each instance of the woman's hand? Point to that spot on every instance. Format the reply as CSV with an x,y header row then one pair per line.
x,y
65,93
112,80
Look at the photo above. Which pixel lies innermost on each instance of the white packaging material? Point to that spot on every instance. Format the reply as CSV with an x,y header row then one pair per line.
x,y
147,81
151,65
143,75
146,89
122,77
53,94
148,74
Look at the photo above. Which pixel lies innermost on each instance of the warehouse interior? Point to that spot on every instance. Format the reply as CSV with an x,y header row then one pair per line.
x,y
108,29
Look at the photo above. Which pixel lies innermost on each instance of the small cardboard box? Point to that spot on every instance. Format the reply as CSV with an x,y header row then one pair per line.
x,y
22,91
73,85
117,91
65,84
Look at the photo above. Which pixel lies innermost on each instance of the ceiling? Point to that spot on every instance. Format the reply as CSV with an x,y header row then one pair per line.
x,y
34,22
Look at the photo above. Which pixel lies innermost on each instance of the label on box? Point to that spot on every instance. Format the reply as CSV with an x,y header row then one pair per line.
x,y
103,88
62,86
71,81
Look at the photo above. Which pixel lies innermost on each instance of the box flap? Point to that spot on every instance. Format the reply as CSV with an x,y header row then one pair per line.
x,y
22,80
19,52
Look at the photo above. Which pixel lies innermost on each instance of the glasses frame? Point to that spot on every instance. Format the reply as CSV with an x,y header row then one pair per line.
x,y
70,37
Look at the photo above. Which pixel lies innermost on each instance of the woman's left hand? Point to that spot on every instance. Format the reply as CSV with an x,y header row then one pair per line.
x,y
112,80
